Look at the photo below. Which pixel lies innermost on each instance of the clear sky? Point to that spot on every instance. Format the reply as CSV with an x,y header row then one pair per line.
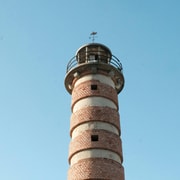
x,y
39,37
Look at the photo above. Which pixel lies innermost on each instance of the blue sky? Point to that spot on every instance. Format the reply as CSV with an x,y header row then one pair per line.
x,y
38,38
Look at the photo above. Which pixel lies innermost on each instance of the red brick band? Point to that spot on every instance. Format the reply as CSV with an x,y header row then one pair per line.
x,y
84,90
96,168
95,113
106,140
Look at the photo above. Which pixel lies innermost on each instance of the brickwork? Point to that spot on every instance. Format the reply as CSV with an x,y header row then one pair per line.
x,y
95,113
103,90
95,151
96,169
106,140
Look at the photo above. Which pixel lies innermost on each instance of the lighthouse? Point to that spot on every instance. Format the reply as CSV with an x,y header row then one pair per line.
x,y
94,79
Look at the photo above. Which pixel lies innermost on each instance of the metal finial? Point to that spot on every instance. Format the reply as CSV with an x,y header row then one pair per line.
x,y
92,36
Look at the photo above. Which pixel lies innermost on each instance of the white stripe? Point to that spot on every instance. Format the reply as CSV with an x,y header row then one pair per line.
x,y
94,125
93,101
95,153
102,78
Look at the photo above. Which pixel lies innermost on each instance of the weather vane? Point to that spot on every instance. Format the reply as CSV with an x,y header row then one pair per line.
x,y
93,36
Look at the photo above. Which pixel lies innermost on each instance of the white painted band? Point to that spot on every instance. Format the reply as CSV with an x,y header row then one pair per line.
x,y
94,125
102,78
95,153
93,101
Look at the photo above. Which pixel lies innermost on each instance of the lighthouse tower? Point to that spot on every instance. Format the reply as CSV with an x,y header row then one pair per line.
x,y
94,79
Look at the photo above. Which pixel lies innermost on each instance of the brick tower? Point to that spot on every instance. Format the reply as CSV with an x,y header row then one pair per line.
x,y
94,78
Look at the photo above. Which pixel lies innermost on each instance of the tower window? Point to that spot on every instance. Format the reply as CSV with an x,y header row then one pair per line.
x,y
93,87
91,57
94,137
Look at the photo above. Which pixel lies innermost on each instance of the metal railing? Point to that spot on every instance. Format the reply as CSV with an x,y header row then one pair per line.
x,y
114,61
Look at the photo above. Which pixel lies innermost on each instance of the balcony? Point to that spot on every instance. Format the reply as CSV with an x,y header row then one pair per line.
x,y
94,57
